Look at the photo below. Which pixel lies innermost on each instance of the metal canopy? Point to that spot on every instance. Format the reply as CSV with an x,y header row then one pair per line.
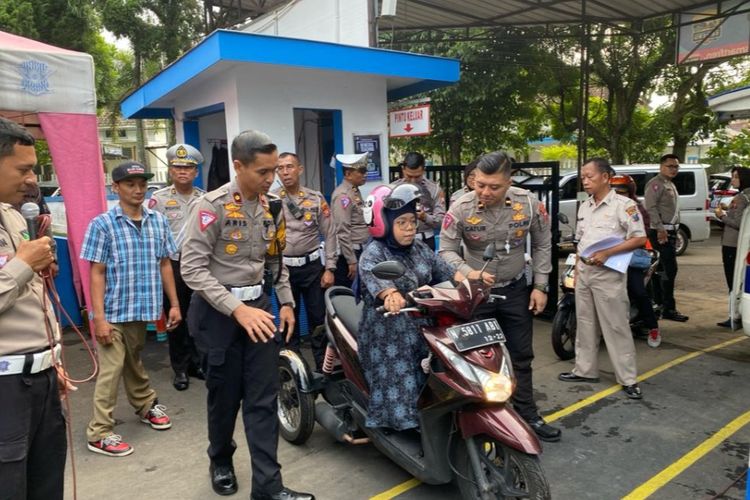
x,y
444,14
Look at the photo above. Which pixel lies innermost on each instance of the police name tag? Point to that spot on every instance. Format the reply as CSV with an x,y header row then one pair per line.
x,y
477,334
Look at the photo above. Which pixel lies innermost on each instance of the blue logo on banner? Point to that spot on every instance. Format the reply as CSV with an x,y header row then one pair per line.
x,y
4,366
35,77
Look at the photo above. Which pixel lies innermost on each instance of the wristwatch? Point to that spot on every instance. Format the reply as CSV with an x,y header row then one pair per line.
x,y
287,304
541,287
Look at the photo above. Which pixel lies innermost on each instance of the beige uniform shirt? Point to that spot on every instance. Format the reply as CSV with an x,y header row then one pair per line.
x,y
22,314
507,224
662,202
229,241
616,215
733,218
312,220
432,201
346,206
175,207
459,193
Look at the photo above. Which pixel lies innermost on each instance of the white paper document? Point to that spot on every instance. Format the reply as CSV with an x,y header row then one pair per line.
x,y
618,262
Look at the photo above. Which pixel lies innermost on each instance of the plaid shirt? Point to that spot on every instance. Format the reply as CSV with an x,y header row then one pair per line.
x,y
133,287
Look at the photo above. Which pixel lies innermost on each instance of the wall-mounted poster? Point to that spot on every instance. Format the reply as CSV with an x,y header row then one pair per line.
x,y
370,144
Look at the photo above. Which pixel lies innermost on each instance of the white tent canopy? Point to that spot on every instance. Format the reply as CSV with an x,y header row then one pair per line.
x,y
57,85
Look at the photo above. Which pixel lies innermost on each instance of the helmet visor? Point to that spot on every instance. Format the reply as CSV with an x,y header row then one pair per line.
x,y
401,196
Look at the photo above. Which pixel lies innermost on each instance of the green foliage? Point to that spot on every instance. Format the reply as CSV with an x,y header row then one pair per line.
x,y
559,152
492,107
730,151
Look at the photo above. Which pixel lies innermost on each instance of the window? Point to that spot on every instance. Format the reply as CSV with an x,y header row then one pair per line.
x,y
685,183
569,190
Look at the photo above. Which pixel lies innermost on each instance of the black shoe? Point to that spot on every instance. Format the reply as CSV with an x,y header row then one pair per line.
x,y
285,494
223,480
180,381
196,372
632,391
674,315
572,377
544,431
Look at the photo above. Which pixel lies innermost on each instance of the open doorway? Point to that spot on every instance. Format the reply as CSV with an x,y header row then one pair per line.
x,y
317,138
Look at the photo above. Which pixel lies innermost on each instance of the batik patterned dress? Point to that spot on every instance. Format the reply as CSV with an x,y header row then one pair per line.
x,y
391,348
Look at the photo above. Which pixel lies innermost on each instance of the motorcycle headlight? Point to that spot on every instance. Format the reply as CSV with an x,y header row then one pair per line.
x,y
497,387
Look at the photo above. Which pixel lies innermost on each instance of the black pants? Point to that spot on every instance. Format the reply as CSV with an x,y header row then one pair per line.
x,y
240,371
341,276
516,321
639,297
182,351
33,443
729,257
664,287
305,282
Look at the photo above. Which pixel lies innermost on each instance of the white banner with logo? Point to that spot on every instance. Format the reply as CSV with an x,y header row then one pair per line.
x,y
56,82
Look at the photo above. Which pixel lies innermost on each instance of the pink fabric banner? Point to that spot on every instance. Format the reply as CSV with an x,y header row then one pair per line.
x,y
74,144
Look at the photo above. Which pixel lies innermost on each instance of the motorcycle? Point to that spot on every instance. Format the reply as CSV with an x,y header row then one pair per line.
x,y
564,323
468,432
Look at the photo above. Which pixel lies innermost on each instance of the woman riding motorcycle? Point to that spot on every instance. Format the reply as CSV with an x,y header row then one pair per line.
x,y
390,348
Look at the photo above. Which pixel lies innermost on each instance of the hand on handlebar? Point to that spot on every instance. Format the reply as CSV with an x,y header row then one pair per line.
x,y
394,302
489,279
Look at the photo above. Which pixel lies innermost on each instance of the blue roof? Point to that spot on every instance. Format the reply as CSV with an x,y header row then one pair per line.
x,y
420,72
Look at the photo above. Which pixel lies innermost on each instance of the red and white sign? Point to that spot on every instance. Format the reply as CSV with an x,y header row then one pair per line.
x,y
410,121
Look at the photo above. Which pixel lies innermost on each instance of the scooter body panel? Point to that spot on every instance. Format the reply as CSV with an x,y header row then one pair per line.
x,y
501,423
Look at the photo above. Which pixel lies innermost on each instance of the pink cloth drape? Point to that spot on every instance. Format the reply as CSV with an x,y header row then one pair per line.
x,y
74,145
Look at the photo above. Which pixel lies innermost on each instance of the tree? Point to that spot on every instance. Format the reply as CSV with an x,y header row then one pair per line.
x,y
492,107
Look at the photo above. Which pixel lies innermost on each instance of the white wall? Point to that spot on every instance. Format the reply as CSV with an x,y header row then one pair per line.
x,y
267,96
338,21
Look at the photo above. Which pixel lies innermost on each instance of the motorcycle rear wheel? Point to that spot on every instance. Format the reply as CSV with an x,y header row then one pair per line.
x,y
564,333
520,471
296,409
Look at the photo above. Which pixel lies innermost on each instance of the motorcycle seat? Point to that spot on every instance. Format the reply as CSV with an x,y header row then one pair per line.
x,y
340,302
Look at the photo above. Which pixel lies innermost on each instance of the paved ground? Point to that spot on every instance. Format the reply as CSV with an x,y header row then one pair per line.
x,y
611,446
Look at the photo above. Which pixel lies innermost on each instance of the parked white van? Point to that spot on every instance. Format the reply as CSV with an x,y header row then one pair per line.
x,y
691,183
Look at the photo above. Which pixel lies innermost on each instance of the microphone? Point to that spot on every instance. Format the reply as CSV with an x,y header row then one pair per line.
x,y
30,212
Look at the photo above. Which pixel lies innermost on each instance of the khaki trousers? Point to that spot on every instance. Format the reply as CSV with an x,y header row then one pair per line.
x,y
603,309
121,358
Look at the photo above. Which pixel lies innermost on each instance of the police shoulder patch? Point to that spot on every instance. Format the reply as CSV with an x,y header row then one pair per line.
x,y
206,218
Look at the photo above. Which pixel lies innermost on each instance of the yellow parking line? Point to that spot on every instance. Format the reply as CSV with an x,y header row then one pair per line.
x,y
615,388
413,482
398,489
649,487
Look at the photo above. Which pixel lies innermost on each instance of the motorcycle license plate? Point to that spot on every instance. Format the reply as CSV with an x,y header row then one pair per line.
x,y
571,260
476,334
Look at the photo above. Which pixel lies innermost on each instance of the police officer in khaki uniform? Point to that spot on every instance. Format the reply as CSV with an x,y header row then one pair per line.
x,y
662,203
32,428
173,202
495,212
602,305
232,235
346,206
308,218
431,208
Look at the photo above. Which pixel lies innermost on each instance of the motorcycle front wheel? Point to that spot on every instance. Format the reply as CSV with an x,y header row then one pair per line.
x,y
564,332
500,463
296,409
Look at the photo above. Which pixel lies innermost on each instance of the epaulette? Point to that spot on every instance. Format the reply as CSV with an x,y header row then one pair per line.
x,y
217,193
162,190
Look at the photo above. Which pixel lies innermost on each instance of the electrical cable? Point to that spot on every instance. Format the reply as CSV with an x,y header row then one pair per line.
x,y
65,382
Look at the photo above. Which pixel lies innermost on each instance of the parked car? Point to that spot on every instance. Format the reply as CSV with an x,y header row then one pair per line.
x,y
721,191
691,183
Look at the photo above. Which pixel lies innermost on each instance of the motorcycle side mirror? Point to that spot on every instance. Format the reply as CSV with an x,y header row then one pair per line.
x,y
389,270
562,218
489,252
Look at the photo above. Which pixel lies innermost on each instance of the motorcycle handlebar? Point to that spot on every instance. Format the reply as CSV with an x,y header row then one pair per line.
x,y
402,311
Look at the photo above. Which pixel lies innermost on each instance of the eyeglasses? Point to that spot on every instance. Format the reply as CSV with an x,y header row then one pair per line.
x,y
406,224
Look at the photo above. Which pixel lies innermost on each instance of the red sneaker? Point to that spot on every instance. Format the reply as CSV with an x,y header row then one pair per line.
x,y
654,338
157,418
112,446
